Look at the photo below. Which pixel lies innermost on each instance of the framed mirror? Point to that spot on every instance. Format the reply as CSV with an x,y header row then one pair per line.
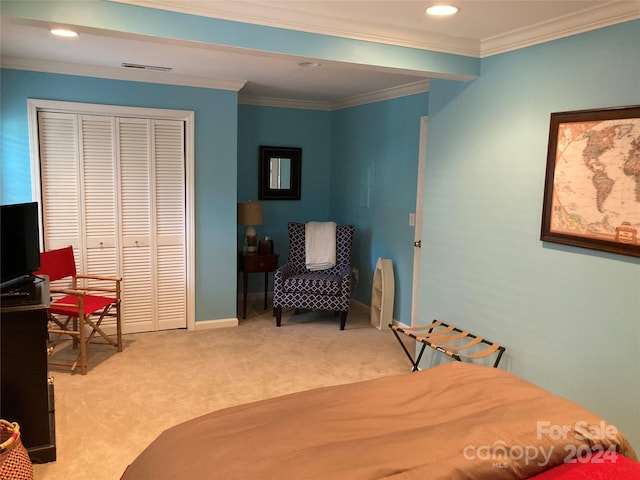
x,y
279,176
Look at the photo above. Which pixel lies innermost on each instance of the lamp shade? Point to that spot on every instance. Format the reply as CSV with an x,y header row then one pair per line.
x,y
250,213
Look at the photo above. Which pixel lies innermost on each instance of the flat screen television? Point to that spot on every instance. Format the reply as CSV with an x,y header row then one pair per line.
x,y
20,242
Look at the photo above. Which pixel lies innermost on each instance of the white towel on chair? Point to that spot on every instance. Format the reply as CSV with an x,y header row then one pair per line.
x,y
320,245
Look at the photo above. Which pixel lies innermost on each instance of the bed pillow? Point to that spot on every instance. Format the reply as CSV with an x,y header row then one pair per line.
x,y
614,467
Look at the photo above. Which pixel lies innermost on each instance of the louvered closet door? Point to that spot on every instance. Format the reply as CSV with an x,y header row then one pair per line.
x,y
134,150
78,151
60,176
168,141
114,188
98,180
151,159
98,190
79,196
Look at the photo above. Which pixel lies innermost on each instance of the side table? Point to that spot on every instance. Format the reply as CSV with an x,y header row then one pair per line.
x,y
256,263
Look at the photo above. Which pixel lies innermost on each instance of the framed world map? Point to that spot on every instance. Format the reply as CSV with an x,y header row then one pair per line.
x,y
592,185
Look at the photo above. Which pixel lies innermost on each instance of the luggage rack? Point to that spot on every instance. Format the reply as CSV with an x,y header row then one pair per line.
x,y
443,338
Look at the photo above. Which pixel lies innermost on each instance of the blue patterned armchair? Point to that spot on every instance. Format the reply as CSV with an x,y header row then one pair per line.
x,y
294,286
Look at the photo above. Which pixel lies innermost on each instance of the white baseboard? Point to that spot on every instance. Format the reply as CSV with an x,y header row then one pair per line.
x,y
401,324
211,324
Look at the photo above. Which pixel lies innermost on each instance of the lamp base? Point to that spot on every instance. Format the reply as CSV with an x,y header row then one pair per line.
x,y
251,239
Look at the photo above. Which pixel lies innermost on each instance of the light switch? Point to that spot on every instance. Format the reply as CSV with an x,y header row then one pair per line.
x,y
412,219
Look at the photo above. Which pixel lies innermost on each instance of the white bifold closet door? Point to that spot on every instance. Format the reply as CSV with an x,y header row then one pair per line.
x,y
114,188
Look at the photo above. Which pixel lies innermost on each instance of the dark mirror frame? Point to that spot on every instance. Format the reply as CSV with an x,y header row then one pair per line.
x,y
264,158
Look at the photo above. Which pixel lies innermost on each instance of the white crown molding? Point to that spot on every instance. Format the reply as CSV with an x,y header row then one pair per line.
x,y
386,94
66,68
379,96
600,16
605,14
257,14
283,103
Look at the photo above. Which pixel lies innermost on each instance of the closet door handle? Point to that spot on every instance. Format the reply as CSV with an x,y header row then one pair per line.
x,y
417,243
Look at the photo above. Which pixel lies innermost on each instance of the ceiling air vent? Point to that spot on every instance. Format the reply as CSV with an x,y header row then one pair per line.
x,y
147,67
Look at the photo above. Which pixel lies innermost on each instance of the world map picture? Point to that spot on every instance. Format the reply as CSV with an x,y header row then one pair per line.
x,y
592,196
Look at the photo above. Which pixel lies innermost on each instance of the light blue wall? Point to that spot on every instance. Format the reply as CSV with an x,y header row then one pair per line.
x,y
338,147
284,127
374,180
215,162
569,317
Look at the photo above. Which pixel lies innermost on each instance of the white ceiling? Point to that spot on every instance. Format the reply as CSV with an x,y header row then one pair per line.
x,y
480,29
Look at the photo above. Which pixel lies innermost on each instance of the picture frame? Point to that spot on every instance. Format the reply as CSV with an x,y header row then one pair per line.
x,y
592,182
279,173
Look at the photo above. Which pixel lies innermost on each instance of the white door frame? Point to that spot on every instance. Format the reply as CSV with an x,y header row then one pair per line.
x,y
422,160
35,105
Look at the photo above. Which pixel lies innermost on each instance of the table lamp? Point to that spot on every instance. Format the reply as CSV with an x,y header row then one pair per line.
x,y
250,214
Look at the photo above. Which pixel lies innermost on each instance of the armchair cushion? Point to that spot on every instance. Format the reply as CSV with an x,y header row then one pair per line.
x,y
318,283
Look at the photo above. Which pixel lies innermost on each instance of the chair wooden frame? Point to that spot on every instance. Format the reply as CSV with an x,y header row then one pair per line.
x,y
83,306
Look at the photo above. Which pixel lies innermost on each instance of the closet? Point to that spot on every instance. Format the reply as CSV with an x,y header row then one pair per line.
x,y
113,187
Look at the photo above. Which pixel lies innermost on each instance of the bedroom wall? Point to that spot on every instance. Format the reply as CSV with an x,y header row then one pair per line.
x,y
284,127
569,317
215,162
373,178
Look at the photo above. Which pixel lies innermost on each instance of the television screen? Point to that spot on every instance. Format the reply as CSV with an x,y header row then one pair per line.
x,y
20,241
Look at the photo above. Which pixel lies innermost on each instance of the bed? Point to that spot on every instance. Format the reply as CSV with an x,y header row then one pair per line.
x,y
453,421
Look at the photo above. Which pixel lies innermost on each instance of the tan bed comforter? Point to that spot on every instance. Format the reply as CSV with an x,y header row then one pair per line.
x,y
452,421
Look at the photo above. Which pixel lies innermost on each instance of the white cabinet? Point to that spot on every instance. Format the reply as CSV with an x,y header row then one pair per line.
x,y
382,292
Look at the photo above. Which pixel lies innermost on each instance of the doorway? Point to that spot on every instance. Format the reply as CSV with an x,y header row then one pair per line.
x,y
417,242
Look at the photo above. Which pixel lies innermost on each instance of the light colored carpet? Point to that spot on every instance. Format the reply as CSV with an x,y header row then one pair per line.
x,y
107,417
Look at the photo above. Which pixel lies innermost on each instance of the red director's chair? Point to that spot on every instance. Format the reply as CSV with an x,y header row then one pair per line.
x,y
82,305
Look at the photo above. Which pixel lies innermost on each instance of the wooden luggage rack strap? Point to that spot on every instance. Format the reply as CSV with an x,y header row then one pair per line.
x,y
439,335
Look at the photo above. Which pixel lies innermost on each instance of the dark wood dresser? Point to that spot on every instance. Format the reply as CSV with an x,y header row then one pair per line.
x,y
26,389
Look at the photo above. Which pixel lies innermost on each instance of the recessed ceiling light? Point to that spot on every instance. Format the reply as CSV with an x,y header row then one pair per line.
x,y
442,10
309,64
63,32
